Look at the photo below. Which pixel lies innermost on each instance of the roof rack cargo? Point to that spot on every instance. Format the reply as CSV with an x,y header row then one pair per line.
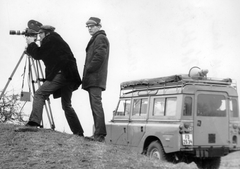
x,y
173,80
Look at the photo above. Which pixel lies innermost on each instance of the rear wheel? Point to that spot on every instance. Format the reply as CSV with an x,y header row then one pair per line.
x,y
155,151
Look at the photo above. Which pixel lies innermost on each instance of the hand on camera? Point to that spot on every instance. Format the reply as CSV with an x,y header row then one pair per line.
x,y
30,39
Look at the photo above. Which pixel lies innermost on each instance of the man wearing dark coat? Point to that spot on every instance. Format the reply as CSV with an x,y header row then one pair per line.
x,y
95,75
62,76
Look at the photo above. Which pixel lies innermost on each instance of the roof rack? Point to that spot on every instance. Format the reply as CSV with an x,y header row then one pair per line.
x,y
173,80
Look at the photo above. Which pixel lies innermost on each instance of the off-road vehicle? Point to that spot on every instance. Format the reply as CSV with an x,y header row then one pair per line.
x,y
181,117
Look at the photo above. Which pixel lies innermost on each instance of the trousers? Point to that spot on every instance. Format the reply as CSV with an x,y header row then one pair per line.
x,y
95,97
43,93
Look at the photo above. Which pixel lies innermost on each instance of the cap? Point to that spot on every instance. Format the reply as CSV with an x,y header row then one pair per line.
x,y
47,28
94,20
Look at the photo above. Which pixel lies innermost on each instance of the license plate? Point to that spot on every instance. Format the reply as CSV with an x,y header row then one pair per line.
x,y
187,139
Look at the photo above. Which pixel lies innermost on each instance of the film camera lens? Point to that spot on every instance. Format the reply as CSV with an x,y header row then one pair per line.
x,y
12,32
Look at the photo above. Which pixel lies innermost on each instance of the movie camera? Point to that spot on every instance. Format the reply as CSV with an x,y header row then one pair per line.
x,y
32,30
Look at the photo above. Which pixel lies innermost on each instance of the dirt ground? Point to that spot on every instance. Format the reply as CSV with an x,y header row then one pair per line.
x,y
47,149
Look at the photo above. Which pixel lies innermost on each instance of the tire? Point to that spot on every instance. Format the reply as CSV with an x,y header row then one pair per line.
x,y
155,151
208,163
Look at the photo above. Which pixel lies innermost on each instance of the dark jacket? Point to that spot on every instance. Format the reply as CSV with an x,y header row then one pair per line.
x,y
96,63
56,56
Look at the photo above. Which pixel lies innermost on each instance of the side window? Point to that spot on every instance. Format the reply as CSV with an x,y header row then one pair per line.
x,y
140,107
123,108
171,105
187,109
164,106
158,107
234,108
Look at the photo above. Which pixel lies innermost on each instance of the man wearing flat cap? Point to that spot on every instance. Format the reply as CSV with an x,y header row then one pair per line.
x,y
62,76
95,75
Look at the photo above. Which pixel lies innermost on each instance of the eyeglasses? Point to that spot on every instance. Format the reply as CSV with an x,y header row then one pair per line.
x,y
90,26
40,32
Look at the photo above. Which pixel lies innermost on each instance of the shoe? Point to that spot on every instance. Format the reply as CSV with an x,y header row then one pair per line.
x,y
32,123
99,138
30,126
79,134
26,128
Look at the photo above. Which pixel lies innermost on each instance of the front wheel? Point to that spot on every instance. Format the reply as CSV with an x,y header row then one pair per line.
x,y
155,151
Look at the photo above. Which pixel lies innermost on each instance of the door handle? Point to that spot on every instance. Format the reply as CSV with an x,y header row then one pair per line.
x,y
141,128
124,129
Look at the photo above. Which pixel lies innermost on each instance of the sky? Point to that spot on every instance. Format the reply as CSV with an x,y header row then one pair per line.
x,y
148,39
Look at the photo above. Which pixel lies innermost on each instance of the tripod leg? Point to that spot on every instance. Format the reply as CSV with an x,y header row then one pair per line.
x,y
49,119
10,78
40,67
48,100
47,108
51,116
30,63
31,75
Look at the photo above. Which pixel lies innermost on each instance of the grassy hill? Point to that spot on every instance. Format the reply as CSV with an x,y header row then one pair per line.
x,y
47,149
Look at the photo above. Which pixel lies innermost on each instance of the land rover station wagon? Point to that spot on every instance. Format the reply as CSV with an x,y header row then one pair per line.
x,y
180,117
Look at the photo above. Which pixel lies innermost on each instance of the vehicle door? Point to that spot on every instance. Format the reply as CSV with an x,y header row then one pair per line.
x,y
120,122
211,119
137,124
